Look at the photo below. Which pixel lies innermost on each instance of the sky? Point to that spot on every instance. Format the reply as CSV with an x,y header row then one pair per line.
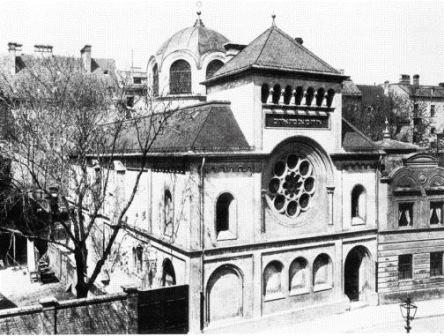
x,y
371,40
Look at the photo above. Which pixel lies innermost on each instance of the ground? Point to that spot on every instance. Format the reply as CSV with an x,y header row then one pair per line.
x,y
17,290
381,319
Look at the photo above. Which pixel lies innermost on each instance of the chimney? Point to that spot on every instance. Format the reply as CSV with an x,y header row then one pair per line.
x,y
299,40
85,53
13,49
43,50
405,79
416,80
232,49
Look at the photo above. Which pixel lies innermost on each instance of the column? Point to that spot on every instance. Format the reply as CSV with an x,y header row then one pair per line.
x,y
132,301
48,315
281,97
304,98
270,95
330,194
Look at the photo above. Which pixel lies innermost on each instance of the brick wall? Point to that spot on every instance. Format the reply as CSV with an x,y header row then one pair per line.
x,y
107,314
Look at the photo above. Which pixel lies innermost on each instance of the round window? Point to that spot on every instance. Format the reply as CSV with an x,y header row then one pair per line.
x,y
292,185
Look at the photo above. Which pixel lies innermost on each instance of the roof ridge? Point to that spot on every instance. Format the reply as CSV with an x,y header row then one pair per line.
x,y
201,127
264,44
240,53
303,48
360,133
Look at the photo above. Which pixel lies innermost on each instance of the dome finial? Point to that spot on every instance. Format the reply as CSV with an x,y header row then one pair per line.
x,y
199,12
273,17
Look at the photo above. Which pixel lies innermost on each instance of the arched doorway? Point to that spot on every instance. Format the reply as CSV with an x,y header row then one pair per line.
x,y
225,294
168,274
358,277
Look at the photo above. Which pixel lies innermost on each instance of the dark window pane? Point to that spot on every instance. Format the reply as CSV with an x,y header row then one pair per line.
x,y
435,263
405,266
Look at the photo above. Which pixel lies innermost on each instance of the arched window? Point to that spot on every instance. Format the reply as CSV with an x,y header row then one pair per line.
x,y
225,213
330,95
138,258
212,67
265,91
309,96
298,276
287,94
225,294
155,80
180,77
168,213
272,279
276,93
322,272
299,95
168,274
320,96
358,205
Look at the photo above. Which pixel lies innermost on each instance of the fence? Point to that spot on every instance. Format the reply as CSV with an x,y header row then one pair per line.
x,y
107,314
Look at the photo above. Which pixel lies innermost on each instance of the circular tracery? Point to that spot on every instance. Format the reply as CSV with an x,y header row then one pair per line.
x,y
292,185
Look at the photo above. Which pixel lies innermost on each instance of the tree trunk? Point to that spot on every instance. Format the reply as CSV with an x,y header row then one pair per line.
x,y
80,254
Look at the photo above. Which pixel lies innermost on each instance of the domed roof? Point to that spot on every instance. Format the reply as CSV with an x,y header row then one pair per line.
x,y
198,39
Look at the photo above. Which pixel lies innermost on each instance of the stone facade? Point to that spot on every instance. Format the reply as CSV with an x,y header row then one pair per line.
x,y
283,223
410,249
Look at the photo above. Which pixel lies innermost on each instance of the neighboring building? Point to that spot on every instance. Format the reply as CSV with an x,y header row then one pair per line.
x,y
423,105
17,250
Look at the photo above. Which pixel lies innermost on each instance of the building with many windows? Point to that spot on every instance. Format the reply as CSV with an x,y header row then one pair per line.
x,y
262,198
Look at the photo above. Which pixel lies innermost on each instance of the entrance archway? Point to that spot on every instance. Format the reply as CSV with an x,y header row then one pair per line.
x,y
358,274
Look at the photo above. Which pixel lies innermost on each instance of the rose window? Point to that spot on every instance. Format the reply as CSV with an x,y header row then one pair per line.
x,y
292,185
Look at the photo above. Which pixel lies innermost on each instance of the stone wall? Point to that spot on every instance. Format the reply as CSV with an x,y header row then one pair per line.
x,y
108,314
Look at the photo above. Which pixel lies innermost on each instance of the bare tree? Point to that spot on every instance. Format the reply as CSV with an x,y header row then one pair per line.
x,y
68,128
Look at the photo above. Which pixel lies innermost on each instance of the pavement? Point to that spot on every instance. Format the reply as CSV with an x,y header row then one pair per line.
x,y
17,290
383,319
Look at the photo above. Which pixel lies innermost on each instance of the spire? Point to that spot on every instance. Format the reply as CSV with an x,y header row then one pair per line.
x,y
198,22
386,133
273,17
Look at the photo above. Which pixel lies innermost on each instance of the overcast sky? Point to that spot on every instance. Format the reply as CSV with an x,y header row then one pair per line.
x,y
371,40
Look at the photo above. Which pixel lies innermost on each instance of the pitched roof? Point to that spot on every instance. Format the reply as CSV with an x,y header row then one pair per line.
x,y
349,88
390,145
354,140
204,127
274,49
371,93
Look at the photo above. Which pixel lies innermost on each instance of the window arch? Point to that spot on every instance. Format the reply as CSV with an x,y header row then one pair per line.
x,y
272,279
168,212
276,93
299,94
322,272
212,67
358,204
265,91
138,258
225,293
320,96
180,77
330,95
168,274
298,275
309,96
155,80
225,213
287,94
